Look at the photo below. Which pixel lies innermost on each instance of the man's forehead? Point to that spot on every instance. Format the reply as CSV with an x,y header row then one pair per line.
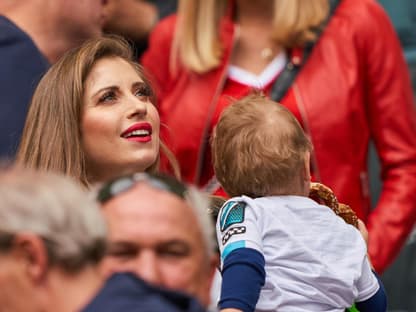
x,y
143,198
145,214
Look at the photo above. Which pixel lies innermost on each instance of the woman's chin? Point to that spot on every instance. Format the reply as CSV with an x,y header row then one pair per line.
x,y
145,163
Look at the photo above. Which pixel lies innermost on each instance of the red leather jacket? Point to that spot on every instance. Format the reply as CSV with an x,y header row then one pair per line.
x,y
354,87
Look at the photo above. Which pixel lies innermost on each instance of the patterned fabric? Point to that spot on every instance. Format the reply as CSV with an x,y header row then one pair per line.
x,y
232,213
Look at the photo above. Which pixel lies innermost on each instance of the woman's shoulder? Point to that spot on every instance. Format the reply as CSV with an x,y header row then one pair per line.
x,y
362,13
361,22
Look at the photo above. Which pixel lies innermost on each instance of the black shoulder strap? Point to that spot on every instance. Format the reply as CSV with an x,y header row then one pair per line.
x,y
291,70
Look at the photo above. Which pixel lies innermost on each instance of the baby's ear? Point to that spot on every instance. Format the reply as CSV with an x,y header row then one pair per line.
x,y
214,133
307,167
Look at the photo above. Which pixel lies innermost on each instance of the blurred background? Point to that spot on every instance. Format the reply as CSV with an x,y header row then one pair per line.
x,y
400,278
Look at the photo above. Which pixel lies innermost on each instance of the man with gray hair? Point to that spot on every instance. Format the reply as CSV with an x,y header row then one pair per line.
x,y
52,238
160,230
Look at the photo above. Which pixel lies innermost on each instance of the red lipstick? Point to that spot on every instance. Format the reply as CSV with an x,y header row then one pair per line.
x,y
139,132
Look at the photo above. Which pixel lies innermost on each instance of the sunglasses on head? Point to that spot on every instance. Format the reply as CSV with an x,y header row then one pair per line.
x,y
125,183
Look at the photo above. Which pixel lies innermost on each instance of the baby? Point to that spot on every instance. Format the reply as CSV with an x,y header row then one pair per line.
x,y
280,250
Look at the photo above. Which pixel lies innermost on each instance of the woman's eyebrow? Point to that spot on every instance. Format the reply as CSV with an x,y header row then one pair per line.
x,y
110,88
139,84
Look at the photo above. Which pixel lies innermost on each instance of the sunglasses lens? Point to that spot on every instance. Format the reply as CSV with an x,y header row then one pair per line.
x,y
158,181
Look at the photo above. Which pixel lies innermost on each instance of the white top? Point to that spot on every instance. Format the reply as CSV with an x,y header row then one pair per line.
x,y
314,260
264,78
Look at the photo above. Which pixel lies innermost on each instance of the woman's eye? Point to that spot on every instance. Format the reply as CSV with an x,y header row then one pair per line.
x,y
107,97
143,91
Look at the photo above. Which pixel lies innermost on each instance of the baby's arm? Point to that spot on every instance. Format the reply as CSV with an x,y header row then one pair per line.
x,y
372,296
364,232
243,263
243,276
369,280
377,302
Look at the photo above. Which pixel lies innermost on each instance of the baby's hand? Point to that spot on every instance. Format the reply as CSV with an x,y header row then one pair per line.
x,y
363,230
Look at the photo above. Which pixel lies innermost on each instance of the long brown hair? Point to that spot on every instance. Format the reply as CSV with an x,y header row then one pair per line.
x,y
197,40
51,138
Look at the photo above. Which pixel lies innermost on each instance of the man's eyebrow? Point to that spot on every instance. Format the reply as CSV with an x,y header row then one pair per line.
x,y
121,244
173,243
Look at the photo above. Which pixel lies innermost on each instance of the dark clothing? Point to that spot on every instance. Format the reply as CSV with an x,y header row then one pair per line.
x,y
125,292
165,7
21,67
377,302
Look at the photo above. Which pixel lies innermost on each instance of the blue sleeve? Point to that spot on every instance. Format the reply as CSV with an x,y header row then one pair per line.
x,y
376,303
21,67
243,275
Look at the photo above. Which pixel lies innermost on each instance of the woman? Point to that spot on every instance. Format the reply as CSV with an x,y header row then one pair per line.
x,y
92,116
354,88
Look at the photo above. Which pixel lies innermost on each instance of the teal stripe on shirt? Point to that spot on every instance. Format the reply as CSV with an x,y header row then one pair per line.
x,y
232,246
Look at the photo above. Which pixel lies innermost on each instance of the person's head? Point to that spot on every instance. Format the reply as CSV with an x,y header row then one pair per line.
x,y
58,25
50,231
198,44
79,20
260,149
93,116
160,230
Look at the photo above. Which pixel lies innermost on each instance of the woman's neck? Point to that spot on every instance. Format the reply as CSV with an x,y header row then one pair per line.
x,y
254,47
259,11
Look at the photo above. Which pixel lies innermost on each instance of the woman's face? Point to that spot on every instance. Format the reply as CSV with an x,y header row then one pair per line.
x,y
120,126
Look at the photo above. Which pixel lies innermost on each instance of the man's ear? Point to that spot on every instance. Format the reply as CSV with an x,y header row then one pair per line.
x,y
32,251
214,262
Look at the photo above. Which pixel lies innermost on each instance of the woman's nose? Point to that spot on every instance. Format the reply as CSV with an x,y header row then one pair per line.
x,y
136,107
